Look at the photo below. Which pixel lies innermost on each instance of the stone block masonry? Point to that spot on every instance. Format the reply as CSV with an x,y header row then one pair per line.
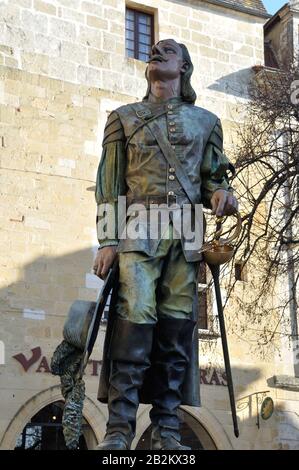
x,y
83,41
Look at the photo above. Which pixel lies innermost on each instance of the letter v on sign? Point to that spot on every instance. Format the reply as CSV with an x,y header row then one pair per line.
x,y
26,363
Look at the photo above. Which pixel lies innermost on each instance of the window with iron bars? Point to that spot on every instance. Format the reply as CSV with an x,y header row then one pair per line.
x,y
139,34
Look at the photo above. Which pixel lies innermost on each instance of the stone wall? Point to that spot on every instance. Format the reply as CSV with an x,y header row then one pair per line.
x,y
83,41
49,155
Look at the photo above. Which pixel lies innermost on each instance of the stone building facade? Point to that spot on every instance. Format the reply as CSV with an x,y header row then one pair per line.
x,y
282,34
63,67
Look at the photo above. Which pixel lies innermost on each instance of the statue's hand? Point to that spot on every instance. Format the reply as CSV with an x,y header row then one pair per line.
x,y
104,260
223,203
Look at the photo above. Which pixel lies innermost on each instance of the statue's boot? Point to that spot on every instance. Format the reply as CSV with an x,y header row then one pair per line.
x,y
115,441
165,442
131,345
172,348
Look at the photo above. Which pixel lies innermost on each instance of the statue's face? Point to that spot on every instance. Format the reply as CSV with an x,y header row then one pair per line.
x,y
166,61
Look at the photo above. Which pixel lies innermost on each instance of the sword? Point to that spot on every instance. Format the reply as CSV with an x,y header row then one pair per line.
x,y
215,270
215,254
97,316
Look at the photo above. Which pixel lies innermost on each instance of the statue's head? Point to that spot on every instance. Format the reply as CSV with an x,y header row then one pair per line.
x,y
170,60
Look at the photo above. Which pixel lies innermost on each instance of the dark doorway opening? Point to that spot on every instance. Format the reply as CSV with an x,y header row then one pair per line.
x,y
44,431
193,434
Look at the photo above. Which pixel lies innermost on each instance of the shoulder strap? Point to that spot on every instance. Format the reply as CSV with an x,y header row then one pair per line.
x,y
145,116
174,162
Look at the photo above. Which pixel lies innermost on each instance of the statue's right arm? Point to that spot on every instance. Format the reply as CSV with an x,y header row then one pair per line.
x,y
110,184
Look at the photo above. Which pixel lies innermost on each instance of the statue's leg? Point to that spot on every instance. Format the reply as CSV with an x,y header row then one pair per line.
x,y
172,346
131,345
130,352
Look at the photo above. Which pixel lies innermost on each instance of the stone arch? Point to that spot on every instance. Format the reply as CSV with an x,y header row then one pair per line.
x,y
211,425
91,412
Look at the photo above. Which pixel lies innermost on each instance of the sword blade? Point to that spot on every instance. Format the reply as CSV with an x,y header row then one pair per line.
x,y
215,270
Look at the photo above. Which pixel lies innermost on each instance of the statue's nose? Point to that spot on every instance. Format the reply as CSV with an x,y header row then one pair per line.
x,y
156,50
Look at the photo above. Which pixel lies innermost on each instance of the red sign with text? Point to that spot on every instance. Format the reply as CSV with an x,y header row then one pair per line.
x,y
39,363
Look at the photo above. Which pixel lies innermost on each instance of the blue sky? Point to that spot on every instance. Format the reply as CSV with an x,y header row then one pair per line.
x,y
274,5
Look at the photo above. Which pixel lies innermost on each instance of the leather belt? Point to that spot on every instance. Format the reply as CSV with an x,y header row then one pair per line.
x,y
167,199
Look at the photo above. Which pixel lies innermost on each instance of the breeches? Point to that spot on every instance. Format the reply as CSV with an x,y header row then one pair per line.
x,y
162,285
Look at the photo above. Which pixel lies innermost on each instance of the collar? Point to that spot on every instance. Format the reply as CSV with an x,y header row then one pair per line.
x,y
173,100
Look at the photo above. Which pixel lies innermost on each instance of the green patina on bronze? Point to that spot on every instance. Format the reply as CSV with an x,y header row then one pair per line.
x,y
151,344
142,170
168,288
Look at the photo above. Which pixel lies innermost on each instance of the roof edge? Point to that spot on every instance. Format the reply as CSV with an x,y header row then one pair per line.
x,y
248,11
276,17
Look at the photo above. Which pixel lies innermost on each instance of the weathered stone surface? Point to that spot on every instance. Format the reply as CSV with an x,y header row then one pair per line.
x,y
35,22
287,382
63,29
73,52
44,7
99,59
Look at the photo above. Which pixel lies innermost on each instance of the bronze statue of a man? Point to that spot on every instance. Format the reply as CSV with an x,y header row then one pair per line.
x,y
162,150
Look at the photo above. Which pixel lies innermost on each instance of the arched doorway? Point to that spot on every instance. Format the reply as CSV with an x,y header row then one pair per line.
x,y
94,415
192,431
44,431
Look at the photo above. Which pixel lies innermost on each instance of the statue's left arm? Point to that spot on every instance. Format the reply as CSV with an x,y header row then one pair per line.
x,y
217,194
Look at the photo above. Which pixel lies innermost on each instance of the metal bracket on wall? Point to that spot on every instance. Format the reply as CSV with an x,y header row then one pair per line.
x,y
246,402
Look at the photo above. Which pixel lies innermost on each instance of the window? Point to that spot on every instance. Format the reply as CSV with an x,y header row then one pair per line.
x,y
139,34
240,271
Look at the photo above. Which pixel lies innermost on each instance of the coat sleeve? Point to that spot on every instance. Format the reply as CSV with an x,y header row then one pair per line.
x,y
110,181
215,166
